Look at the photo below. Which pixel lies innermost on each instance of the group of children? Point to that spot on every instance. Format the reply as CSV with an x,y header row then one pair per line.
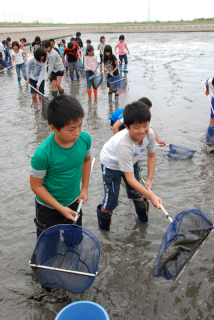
x,y
62,58
63,160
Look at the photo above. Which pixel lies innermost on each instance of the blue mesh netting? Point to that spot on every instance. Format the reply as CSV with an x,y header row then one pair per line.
x,y
45,102
66,247
179,152
209,134
180,242
96,80
116,83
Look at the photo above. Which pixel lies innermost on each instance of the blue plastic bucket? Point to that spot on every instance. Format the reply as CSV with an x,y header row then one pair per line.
x,y
83,310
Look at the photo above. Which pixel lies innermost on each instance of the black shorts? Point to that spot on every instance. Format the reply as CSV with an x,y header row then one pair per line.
x,y
47,217
112,122
54,75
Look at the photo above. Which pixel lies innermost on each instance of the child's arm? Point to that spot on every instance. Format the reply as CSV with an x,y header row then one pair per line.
x,y
13,61
151,162
207,92
115,49
86,169
116,64
116,126
127,48
25,55
132,181
159,141
38,188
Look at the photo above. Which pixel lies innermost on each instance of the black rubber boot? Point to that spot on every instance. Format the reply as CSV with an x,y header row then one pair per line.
x,y
61,92
104,219
54,94
110,96
142,210
116,97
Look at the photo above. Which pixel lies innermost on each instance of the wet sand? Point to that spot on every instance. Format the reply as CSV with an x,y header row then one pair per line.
x,y
166,68
48,32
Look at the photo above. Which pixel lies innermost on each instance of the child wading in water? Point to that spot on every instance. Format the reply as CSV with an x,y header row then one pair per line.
x,y
72,57
36,44
111,64
101,47
209,84
17,58
56,68
90,64
119,159
59,164
36,76
122,51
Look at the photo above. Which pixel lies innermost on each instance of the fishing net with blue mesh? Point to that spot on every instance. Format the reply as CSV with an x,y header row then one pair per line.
x,y
66,257
96,80
183,238
116,83
179,152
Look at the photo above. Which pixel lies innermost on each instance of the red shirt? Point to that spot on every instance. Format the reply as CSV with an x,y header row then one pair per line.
x,y
71,54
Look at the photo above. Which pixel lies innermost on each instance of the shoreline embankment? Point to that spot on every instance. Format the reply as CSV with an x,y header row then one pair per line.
x,y
47,32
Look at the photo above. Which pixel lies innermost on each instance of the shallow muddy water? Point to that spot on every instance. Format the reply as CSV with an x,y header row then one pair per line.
x,y
166,68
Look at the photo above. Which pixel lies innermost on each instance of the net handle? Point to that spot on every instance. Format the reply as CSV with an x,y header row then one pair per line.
x,y
33,87
81,200
162,207
208,97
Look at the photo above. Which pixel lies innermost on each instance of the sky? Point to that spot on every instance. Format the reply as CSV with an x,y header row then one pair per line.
x,y
97,11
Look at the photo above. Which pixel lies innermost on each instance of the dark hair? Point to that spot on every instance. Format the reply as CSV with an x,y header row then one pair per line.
x,y
107,48
4,42
15,43
213,81
136,112
73,39
146,101
63,109
70,45
40,52
47,44
89,41
52,40
121,37
23,39
78,34
63,40
102,37
37,39
8,39
89,48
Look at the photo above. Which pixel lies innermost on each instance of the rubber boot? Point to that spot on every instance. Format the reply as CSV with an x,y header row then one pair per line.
x,y
104,219
35,106
89,93
116,97
95,93
125,67
78,77
72,79
19,83
40,106
110,96
101,67
142,209
54,94
61,92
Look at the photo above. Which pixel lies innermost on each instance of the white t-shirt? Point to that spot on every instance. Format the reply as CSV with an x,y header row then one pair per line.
x,y
208,82
121,153
18,56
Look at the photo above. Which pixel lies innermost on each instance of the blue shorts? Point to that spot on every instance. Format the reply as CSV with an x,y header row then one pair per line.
x,y
112,181
211,113
41,87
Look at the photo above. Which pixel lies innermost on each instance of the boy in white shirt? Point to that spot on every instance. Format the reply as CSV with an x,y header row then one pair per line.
x,y
119,159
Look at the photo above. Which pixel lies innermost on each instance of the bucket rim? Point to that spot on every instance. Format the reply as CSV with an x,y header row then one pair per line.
x,y
83,302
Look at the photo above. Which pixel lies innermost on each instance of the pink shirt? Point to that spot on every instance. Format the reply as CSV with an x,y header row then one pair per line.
x,y
122,48
21,46
90,62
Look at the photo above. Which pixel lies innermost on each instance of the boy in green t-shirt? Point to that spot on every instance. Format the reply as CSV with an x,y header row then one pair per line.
x,y
58,165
